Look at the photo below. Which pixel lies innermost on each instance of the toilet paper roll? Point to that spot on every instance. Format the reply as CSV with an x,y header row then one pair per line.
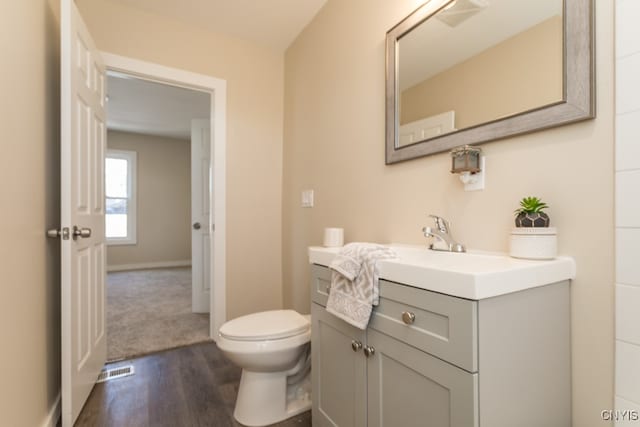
x,y
333,237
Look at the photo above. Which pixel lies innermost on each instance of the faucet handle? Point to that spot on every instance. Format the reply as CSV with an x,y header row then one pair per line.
x,y
441,223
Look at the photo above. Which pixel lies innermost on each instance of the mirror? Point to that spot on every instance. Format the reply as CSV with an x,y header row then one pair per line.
x,y
471,71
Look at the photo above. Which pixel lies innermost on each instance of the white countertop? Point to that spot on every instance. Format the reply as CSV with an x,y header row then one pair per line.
x,y
471,275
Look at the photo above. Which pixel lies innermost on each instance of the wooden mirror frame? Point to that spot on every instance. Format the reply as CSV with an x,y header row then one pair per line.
x,y
578,87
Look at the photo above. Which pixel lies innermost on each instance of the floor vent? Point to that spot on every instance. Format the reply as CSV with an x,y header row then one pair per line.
x,y
114,373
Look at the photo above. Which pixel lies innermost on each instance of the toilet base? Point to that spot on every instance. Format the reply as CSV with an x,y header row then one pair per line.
x,y
265,398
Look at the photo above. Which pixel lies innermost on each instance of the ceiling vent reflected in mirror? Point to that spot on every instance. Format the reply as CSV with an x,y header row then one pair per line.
x,y
461,10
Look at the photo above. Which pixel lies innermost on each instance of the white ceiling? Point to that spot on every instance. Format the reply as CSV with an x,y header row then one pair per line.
x,y
434,46
141,106
274,23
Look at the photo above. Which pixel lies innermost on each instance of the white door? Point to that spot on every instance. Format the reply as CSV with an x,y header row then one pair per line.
x,y
84,344
200,215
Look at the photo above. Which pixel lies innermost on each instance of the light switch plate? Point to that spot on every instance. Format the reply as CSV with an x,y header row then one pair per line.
x,y
307,198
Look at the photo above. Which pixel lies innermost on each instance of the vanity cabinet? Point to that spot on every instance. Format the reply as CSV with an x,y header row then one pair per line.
x,y
432,359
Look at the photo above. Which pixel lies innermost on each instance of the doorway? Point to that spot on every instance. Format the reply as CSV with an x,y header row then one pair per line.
x,y
82,236
215,89
156,186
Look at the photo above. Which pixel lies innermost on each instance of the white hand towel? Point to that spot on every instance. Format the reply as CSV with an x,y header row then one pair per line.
x,y
354,282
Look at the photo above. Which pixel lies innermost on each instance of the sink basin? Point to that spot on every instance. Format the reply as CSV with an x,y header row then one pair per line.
x,y
471,275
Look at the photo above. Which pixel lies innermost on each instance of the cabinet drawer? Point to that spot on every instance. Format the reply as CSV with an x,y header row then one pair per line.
x,y
442,325
320,284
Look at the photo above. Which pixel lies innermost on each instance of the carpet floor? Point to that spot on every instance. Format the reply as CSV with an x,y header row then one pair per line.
x,y
149,311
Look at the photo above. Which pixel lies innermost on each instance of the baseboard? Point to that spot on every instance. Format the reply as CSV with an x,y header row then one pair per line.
x,y
54,414
148,265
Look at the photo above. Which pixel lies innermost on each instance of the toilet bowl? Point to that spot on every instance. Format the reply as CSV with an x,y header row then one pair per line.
x,y
272,348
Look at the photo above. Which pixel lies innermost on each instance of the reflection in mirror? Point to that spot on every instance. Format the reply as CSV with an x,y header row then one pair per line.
x,y
476,61
471,71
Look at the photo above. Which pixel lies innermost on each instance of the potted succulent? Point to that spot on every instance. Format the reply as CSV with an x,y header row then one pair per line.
x,y
530,213
532,238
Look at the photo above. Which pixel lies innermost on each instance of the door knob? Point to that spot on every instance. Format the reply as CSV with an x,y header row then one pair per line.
x,y
356,345
54,233
196,226
369,351
81,232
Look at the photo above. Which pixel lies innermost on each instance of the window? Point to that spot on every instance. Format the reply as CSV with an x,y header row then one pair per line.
x,y
120,195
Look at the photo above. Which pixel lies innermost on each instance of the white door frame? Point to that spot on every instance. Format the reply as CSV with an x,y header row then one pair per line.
x,y
218,90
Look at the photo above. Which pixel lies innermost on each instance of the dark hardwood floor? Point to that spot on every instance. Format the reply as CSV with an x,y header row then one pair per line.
x,y
187,386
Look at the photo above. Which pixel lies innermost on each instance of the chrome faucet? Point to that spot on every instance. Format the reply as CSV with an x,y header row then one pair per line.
x,y
442,232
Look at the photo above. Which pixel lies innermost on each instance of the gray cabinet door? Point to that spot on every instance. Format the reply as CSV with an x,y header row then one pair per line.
x,y
407,387
339,373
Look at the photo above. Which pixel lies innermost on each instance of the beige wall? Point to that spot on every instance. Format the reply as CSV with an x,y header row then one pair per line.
x,y
255,79
30,191
519,74
163,196
334,143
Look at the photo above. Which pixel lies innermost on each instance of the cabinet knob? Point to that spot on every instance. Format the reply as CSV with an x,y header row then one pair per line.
x,y
408,317
369,351
327,287
356,345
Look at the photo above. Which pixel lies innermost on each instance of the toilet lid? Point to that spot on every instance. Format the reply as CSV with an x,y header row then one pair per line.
x,y
274,324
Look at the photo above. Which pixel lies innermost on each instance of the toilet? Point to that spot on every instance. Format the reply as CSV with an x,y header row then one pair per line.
x,y
273,350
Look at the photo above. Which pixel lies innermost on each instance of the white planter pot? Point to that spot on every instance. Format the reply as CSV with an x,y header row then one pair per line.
x,y
534,243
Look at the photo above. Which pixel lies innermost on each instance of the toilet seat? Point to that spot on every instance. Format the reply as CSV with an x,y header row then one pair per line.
x,y
265,325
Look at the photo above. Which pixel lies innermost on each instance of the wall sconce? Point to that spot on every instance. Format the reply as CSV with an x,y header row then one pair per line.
x,y
468,161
